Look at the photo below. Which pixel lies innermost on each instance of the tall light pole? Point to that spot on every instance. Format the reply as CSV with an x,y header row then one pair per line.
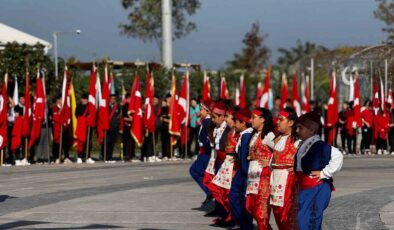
x,y
166,8
55,34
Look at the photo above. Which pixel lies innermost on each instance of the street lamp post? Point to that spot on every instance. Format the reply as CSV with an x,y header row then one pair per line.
x,y
55,34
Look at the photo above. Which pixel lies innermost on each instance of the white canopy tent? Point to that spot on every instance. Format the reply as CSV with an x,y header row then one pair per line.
x,y
9,34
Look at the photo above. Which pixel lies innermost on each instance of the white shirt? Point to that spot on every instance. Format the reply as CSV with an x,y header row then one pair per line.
x,y
248,130
334,165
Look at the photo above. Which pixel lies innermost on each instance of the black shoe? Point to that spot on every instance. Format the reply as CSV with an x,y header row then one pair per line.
x,y
212,213
208,199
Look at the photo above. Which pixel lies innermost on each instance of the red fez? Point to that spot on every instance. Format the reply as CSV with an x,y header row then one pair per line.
x,y
243,115
220,108
207,104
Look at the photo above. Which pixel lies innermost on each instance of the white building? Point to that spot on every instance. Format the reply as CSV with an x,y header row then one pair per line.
x,y
9,34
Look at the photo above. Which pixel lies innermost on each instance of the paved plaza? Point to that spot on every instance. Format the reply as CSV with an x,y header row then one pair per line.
x,y
162,195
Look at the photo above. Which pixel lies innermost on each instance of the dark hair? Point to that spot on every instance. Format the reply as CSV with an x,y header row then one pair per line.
x,y
268,123
366,102
292,117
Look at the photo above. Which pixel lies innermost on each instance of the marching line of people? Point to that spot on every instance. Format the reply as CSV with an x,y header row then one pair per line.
x,y
252,164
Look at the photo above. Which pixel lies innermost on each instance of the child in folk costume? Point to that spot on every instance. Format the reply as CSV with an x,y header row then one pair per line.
x,y
221,183
217,152
260,154
197,169
382,122
238,185
283,197
316,162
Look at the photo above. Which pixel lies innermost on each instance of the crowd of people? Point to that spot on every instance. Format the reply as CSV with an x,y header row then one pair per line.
x,y
377,130
252,162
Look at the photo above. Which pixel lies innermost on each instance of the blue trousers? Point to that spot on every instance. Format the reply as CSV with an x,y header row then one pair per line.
x,y
238,201
197,170
311,205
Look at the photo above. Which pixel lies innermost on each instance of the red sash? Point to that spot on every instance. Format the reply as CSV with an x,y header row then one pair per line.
x,y
306,182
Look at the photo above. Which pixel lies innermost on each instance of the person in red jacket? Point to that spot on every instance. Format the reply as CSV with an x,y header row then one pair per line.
x,y
350,129
366,130
382,130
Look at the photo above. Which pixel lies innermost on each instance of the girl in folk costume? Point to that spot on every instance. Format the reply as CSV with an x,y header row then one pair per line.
x,y
221,183
283,197
197,169
260,154
316,162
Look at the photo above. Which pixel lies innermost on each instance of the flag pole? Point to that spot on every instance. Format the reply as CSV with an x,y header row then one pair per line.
x,y
105,146
170,149
61,143
186,142
26,150
154,145
87,144
2,157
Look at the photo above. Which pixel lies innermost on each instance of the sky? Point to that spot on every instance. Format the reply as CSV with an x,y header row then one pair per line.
x,y
221,26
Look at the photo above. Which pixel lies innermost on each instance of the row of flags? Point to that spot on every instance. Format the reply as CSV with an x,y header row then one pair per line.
x,y
98,115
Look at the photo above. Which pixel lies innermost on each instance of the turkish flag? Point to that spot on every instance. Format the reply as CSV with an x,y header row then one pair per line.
x,y
206,90
356,104
92,98
375,98
38,110
3,114
296,97
332,110
223,89
242,96
259,93
390,99
103,111
175,122
65,110
135,101
149,116
27,112
183,111
305,96
236,97
284,91
266,91
16,135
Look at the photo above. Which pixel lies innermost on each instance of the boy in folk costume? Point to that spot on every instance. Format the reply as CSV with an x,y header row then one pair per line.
x,y
221,183
197,169
260,154
283,197
239,183
315,164
218,153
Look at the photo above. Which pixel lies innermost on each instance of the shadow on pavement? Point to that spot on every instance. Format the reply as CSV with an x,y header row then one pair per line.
x,y
6,197
25,223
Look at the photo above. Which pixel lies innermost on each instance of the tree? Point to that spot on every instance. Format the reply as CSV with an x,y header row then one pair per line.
x,y
17,58
291,56
255,54
145,19
385,13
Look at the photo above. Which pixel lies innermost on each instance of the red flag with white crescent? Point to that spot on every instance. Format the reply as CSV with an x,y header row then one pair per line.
x,y
27,110
175,122
4,114
266,91
284,91
296,97
149,116
356,104
242,96
92,98
332,110
136,111
38,110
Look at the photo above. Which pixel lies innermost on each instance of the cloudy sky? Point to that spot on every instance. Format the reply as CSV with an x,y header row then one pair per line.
x,y
221,26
